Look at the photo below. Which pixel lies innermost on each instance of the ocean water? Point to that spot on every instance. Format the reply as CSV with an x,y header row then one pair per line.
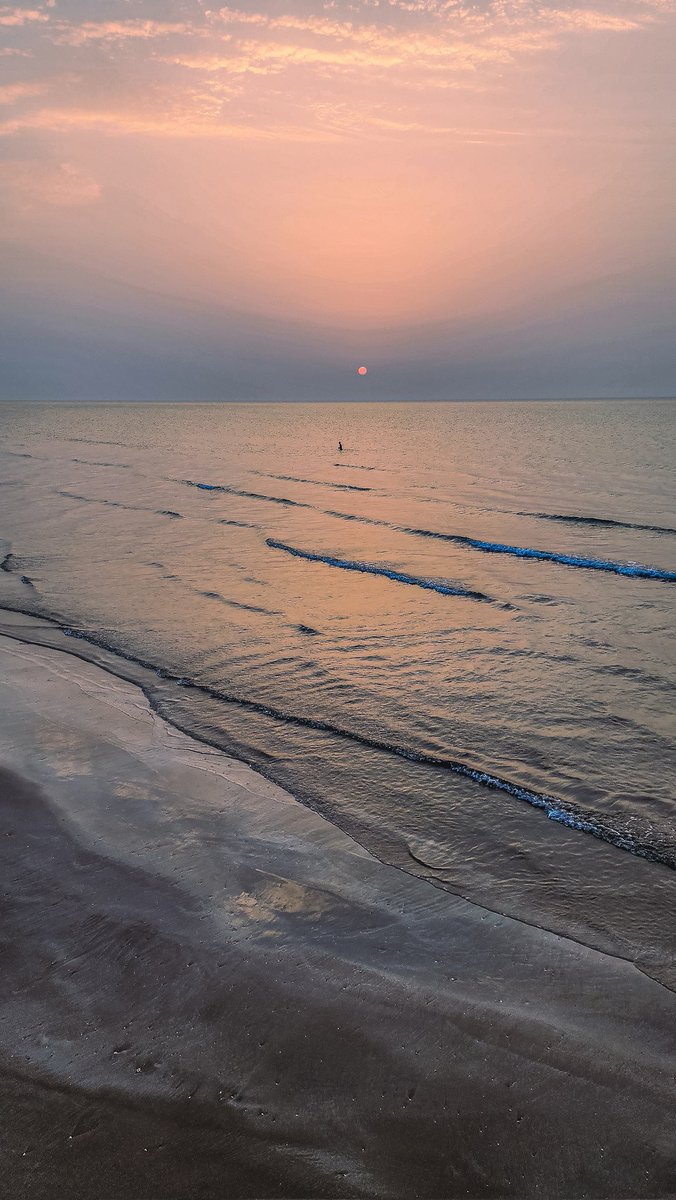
x,y
454,639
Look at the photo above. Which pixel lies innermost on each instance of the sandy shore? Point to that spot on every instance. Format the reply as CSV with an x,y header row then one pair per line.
x,y
209,991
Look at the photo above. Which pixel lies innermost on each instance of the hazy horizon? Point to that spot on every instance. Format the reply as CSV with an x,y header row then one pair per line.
x,y
247,203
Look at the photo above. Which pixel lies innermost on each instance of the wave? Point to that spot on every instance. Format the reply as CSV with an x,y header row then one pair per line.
x,y
341,487
331,512
89,462
639,674
604,522
94,441
255,608
346,564
606,827
584,562
355,467
94,500
235,491
210,595
159,512
634,570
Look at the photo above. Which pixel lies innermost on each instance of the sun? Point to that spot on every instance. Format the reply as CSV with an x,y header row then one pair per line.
x,y
362,370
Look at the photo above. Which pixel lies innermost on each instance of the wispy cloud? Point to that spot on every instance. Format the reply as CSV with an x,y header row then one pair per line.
x,y
10,93
35,183
180,126
261,73
588,20
120,31
21,16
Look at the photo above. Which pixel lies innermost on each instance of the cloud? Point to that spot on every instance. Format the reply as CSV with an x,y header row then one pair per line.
x,y
21,16
592,21
33,183
119,31
11,92
171,125
227,72
436,37
364,51
434,33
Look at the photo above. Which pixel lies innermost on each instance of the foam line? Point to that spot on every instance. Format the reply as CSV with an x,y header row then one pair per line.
x,y
585,562
634,570
606,827
430,585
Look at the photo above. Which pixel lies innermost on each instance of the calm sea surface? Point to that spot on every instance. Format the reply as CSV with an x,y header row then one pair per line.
x,y
455,639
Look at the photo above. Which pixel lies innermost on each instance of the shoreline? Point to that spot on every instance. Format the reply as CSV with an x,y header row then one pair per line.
x,y
209,988
635,877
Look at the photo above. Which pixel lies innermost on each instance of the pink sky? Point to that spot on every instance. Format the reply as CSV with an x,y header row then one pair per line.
x,y
394,172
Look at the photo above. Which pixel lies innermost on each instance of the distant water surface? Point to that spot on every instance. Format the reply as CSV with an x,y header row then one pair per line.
x,y
455,638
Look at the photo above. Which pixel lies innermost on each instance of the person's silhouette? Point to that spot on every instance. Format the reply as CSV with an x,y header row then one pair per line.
x,y
340,445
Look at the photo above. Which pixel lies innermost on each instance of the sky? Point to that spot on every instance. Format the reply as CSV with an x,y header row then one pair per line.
x,y
474,200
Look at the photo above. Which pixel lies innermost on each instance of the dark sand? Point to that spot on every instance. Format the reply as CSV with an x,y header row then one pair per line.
x,y
208,991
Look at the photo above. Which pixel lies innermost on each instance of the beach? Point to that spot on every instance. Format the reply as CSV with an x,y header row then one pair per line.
x,y
337,581
209,990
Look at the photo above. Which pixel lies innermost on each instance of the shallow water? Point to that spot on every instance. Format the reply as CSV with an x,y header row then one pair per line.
x,y
457,628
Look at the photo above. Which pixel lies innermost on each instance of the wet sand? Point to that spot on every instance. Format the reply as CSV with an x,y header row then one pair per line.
x,y
207,990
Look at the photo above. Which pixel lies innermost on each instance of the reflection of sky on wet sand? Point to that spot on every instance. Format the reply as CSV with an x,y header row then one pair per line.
x,y
130,790
283,896
64,750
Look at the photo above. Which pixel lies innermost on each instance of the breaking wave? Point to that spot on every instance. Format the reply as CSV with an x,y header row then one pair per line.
x,y
346,564
585,562
634,570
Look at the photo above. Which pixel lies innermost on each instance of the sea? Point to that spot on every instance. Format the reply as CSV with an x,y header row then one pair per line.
x,y
453,638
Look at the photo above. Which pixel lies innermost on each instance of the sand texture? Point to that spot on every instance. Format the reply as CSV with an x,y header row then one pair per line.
x,y
208,991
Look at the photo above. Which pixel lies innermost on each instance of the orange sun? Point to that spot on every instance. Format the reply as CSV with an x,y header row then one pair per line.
x,y
362,370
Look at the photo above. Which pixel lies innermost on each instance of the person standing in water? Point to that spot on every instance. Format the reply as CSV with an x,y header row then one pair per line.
x,y
340,445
